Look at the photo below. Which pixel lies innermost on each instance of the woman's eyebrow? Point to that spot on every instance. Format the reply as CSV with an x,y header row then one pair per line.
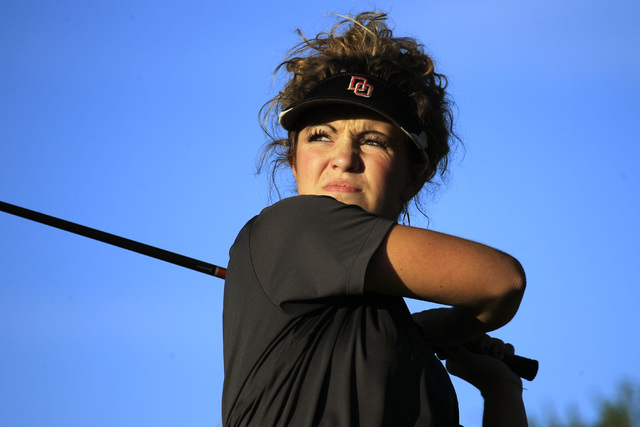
x,y
381,134
359,132
333,129
377,132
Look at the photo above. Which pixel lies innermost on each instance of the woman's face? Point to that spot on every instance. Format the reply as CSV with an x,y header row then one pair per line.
x,y
355,156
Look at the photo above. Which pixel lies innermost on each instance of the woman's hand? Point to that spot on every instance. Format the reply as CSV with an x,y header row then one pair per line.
x,y
444,327
499,385
483,367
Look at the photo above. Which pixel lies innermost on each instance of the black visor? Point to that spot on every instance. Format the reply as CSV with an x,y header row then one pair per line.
x,y
365,91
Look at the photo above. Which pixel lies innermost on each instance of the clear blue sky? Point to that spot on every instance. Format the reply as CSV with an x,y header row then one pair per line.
x,y
140,118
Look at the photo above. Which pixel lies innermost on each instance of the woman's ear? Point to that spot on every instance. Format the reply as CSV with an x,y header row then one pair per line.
x,y
291,152
292,165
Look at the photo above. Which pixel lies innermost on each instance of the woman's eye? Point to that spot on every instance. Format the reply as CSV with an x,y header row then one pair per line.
x,y
376,143
318,136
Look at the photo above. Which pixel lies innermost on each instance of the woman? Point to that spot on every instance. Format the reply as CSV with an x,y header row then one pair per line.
x,y
315,328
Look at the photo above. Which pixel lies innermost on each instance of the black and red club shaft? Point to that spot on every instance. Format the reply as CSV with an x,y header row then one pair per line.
x,y
524,367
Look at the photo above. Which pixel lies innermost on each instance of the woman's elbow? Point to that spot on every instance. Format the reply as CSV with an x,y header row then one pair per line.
x,y
508,296
511,281
519,282
514,290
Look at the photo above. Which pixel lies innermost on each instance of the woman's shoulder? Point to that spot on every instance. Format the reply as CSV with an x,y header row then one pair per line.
x,y
302,203
294,212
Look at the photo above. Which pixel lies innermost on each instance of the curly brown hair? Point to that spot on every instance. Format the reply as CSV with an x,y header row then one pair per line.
x,y
364,44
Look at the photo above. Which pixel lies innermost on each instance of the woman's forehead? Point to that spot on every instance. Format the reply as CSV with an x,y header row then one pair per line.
x,y
346,114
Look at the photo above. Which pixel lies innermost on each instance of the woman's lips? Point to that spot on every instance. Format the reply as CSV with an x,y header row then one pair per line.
x,y
342,187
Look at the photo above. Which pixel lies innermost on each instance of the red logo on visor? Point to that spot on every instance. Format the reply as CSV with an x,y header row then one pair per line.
x,y
360,86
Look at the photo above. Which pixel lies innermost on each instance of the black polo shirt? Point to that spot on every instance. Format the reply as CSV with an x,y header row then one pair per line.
x,y
305,344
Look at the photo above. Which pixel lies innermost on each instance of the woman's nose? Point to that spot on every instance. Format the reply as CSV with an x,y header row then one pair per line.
x,y
346,158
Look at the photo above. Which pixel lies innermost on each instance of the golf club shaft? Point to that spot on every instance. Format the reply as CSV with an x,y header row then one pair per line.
x,y
112,239
525,368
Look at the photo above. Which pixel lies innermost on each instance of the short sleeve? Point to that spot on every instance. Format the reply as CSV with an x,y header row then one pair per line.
x,y
307,248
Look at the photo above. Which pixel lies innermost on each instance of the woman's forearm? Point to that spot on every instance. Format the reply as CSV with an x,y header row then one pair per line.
x,y
503,405
444,269
500,387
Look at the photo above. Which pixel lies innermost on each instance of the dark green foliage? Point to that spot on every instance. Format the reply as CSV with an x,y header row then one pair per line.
x,y
621,410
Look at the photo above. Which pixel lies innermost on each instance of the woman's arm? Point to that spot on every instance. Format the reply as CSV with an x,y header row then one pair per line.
x,y
483,285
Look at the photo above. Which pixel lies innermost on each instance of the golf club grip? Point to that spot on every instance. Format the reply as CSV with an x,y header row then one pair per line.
x,y
522,366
